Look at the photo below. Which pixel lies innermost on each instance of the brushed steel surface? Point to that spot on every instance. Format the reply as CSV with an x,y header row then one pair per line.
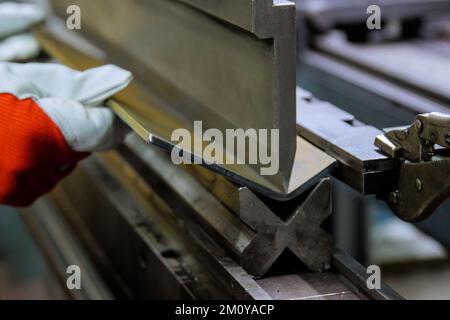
x,y
191,65
202,68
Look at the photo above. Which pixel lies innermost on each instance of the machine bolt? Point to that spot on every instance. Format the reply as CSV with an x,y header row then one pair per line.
x,y
419,185
418,125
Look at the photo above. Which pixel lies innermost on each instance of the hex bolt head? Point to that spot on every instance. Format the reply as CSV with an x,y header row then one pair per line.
x,y
418,125
419,185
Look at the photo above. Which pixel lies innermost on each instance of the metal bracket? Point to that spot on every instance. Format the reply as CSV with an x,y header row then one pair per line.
x,y
416,143
301,233
422,188
421,151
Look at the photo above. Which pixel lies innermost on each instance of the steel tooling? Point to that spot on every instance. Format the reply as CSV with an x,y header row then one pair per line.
x,y
230,64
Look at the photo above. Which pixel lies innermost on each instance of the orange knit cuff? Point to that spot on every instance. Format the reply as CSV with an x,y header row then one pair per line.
x,y
34,155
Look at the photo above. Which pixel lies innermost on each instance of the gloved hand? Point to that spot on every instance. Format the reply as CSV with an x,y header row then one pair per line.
x,y
15,20
50,118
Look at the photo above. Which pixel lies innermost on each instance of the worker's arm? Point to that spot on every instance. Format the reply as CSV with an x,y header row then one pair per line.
x,y
50,118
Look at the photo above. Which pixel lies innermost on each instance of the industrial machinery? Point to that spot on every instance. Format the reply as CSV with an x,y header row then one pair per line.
x,y
384,77
143,227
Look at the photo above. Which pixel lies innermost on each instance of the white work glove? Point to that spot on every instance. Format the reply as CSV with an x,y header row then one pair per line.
x,y
51,117
73,100
16,44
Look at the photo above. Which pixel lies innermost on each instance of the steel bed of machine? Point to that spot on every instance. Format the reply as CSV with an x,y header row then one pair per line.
x,y
141,227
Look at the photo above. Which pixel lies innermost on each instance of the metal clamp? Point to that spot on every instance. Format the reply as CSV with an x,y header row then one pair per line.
x,y
422,151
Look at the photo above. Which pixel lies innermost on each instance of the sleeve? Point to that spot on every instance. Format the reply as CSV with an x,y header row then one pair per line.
x,y
34,155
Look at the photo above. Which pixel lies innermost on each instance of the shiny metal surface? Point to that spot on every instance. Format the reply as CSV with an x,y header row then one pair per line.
x,y
154,122
350,142
309,286
238,74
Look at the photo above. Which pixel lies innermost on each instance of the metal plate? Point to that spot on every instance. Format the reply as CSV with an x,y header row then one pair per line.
x,y
201,68
190,65
350,142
